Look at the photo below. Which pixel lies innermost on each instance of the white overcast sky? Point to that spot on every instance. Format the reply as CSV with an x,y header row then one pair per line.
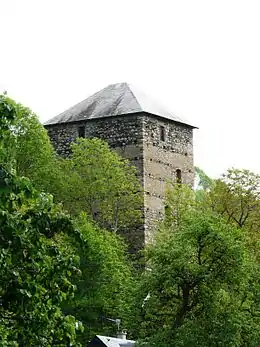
x,y
201,59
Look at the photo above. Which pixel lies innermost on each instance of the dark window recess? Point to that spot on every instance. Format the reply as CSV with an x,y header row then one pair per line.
x,y
167,211
178,176
162,133
81,132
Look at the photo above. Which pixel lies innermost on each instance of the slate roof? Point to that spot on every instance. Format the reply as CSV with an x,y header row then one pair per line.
x,y
112,342
114,100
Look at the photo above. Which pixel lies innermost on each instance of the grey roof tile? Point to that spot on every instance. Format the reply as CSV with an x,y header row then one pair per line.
x,y
115,342
115,99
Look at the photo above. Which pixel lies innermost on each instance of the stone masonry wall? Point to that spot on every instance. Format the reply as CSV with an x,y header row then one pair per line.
x,y
137,137
123,134
162,157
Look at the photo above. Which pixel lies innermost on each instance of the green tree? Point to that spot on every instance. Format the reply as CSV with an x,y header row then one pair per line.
x,y
102,184
197,286
203,180
7,117
94,179
236,197
105,288
25,146
43,251
36,276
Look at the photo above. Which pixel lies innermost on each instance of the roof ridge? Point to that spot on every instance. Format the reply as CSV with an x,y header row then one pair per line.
x,y
133,94
116,99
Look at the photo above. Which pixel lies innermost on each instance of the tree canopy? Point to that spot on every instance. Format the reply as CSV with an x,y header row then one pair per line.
x,y
202,286
94,179
36,275
101,183
26,147
62,272
55,271
105,288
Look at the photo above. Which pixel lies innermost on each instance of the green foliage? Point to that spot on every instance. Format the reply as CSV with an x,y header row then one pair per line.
x,y
179,198
36,276
203,185
7,113
236,198
202,283
204,181
101,183
94,179
201,286
25,145
43,252
7,116
105,287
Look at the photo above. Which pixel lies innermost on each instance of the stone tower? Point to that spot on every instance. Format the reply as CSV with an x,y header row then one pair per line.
x,y
157,142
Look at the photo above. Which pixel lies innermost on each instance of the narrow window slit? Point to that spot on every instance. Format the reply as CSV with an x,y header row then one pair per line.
x,y
162,133
178,176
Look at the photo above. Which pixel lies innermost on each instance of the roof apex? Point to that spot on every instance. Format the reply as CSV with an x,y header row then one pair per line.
x,y
114,100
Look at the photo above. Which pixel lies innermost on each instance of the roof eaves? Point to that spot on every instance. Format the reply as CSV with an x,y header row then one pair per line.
x,y
171,119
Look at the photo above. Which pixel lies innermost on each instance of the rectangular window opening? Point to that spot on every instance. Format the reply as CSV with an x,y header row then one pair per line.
x,y
81,132
162,133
